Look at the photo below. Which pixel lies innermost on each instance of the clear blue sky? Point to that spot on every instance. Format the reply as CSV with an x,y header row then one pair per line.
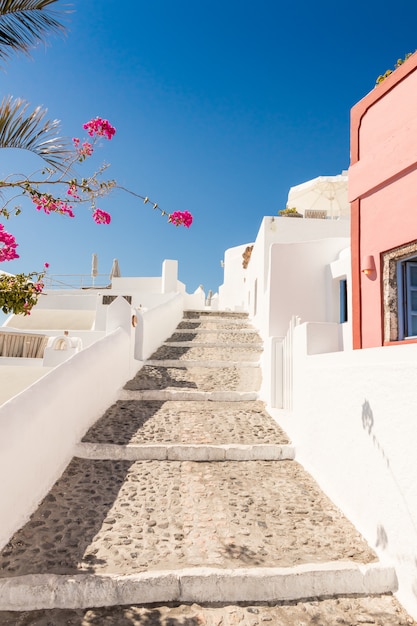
x,y
220,107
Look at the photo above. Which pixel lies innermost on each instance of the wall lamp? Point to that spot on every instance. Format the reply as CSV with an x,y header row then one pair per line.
x,y
368,265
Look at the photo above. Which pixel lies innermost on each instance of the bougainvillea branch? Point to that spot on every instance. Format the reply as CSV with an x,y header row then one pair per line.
x,y
18,294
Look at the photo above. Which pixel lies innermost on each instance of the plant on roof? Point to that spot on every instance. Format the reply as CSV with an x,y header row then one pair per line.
x,y
399,62
289,211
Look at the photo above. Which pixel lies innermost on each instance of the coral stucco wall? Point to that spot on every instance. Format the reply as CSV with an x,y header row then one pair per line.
x,y
382,189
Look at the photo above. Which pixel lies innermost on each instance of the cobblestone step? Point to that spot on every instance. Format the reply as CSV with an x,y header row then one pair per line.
x,y
200,363
213,344
224,353
191,422
197,378
126,517
343,611
173,394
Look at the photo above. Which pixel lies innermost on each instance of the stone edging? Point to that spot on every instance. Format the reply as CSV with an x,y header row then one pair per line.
x,y
185,452
49,591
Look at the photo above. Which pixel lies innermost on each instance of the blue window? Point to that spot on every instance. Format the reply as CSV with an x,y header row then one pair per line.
x,y
343,309
407,298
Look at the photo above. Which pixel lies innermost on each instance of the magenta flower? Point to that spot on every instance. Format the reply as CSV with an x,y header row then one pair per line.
x,y
8,246
101,217
100,127
46,265
73,192
50,205
181,218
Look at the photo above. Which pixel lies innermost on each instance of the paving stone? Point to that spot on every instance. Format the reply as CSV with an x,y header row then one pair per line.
x,y
197,378
124,517
186,422
374,611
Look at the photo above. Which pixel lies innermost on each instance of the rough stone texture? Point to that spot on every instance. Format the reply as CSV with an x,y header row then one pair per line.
x,y
214,325
213,337
186,422
374,611
197,378
221,353
123,517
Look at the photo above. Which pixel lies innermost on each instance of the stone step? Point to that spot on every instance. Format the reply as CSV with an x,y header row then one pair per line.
x,y
185,452
225,331
163,395
197,378
377,610
199,363
215,314
190,422
202,585
224,353
123,518
213,344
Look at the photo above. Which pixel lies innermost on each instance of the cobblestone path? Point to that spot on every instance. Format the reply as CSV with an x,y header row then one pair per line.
x,y
115,514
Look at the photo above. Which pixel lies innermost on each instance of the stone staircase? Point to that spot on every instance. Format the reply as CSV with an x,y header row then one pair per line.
x,y
184,505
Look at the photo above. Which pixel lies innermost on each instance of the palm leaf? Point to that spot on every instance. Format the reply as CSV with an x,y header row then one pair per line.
x,y
28,131
24,24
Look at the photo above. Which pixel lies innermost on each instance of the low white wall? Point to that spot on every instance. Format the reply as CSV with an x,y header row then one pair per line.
x,y
157,324
40,426
355,429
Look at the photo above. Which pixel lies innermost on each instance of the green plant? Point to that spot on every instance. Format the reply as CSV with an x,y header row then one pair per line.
x,y
288,211
399,62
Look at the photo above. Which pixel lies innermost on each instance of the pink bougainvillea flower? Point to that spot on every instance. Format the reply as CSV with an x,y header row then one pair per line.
x,y
181,218
50,205
73,192
101,217
8,246
100,127
46,265
83,151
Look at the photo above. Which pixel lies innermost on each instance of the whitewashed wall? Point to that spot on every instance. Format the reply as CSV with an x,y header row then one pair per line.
x,y
40,426
300,283
355,429
157,324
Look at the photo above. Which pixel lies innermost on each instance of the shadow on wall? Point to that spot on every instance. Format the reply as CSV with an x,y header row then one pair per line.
x,y
368,423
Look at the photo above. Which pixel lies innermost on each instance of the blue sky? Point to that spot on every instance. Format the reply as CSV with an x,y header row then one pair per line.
x,y
220,107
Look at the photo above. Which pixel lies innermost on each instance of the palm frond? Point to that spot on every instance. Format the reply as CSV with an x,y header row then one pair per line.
x,y
25,23
29,131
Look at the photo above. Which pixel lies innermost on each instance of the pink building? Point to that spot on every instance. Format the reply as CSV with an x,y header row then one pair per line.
x,y
383,193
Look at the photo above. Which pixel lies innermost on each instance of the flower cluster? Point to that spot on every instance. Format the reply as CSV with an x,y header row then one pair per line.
x,y
101,217
83,151
100,127
73,192
52,205
8,246
181,218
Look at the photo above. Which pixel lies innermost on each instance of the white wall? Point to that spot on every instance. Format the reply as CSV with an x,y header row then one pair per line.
x,y
157,324
355,429
232,294
301,282
40,426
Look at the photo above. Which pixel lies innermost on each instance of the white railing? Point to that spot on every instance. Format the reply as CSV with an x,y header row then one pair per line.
x,y
76,281
287,364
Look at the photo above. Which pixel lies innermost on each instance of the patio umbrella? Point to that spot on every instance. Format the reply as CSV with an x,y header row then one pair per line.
x,y
327,194
94,266
115,269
